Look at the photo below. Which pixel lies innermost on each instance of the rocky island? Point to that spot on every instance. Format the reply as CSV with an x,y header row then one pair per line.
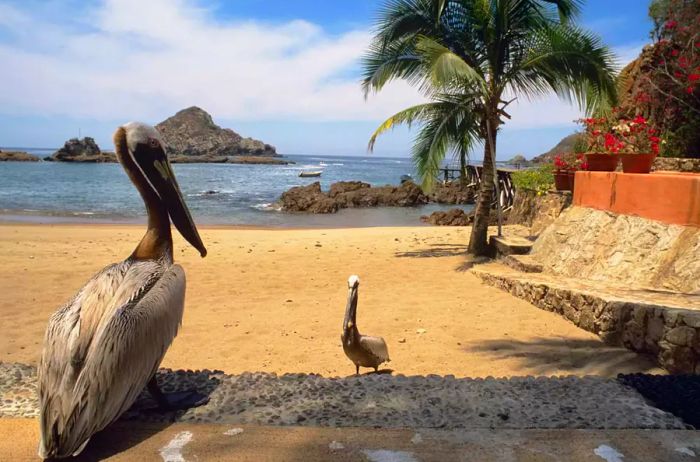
x,y
81,150
191,136
17,156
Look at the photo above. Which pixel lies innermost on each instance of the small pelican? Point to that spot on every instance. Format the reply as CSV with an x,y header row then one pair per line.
x,y
105,345
362,350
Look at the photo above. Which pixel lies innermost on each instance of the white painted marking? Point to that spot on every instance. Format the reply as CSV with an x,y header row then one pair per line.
x,y
384,455
172,452
335,445
233,431
609,454
686,451
417,439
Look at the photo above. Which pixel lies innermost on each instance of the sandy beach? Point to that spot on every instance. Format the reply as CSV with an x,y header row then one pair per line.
x,y
273,299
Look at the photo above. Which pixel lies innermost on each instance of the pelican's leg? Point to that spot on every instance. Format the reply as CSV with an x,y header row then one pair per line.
x,y
176,401
376,369
357,369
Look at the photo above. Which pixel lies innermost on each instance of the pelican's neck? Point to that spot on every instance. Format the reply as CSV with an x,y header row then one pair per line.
x,y
158,240
350,320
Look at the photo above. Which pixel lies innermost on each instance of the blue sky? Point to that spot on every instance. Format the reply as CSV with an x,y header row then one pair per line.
x,y
282,71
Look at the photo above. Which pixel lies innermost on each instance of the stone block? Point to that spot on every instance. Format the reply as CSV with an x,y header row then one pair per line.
x,y
633,336
681,336
677,359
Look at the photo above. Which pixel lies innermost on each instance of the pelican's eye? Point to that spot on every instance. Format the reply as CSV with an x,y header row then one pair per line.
x,y
152,142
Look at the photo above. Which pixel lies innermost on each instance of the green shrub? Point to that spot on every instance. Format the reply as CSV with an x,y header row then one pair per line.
x,y
540,179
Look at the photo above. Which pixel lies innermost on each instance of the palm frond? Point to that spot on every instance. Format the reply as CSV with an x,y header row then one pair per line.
x,y
445,68
569,61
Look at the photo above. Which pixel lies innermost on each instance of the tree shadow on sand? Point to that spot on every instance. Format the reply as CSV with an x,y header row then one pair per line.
x,y
435,251
547,356
122,434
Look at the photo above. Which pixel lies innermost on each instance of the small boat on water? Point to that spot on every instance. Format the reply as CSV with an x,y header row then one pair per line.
x,y
310,174
405,178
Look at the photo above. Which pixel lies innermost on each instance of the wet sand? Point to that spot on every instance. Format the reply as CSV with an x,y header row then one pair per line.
x,y
273,299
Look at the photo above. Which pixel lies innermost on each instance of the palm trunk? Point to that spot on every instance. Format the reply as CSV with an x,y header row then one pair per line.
x,y
478,243
462,169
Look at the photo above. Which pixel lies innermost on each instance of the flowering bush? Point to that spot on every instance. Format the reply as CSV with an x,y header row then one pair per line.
x,y
664,83
570,162
621,136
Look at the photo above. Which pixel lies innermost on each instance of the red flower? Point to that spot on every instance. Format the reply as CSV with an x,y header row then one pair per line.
x,y
693,77
671,24
639,120
683,62
689,90
678,74
674,52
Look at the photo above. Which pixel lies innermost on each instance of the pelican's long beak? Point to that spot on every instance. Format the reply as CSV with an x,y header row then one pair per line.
x,y
157,169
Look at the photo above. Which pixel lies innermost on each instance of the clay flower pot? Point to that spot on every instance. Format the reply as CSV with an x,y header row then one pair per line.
x,y
572,177
602,162
561,180
637,163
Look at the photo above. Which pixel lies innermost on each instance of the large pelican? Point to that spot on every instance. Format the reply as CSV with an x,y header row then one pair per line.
x,y
104,346
363,350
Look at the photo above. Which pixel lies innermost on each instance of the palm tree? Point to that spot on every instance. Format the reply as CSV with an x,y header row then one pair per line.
x,y
468,57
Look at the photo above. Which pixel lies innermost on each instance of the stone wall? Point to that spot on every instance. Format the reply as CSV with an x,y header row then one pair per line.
x,y
671,335
602,246
537,211
677,164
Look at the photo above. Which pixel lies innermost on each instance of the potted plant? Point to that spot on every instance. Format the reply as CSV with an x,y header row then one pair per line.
x,y
565,167
639,144
602,151
562,181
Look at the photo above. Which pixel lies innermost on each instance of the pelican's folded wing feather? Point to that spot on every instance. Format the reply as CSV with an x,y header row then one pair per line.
x,y
376,346
124,350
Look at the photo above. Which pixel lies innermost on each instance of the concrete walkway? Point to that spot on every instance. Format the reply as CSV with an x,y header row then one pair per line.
x,y
181,442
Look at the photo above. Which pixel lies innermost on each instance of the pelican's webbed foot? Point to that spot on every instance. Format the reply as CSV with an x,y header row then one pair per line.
x,y
176,401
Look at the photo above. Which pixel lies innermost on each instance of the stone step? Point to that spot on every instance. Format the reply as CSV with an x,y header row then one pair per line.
x,y
525,263
129,441
511,245
662,323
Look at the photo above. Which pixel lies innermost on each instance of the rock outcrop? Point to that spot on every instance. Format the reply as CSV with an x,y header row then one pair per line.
x,y
458,217
350,194
538,211
17,156
82,150
453,192
192,132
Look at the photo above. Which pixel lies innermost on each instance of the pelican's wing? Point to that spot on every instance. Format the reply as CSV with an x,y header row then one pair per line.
x,y
125,349
376,346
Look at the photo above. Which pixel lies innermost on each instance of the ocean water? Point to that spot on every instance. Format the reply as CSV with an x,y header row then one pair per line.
x,y
242,194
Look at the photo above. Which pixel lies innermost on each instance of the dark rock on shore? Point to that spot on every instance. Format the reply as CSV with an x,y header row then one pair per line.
x,y
458,217
17,156
82,150
350,194
192,133
453,192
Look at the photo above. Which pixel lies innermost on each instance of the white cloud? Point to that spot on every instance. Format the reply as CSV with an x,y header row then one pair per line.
x,y
136,59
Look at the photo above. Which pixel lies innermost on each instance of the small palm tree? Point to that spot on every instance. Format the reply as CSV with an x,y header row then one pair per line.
x,y
468,57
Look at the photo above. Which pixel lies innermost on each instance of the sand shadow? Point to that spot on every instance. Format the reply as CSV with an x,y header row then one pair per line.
x,y
677,394
124,434
547,356
435,251
470,262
